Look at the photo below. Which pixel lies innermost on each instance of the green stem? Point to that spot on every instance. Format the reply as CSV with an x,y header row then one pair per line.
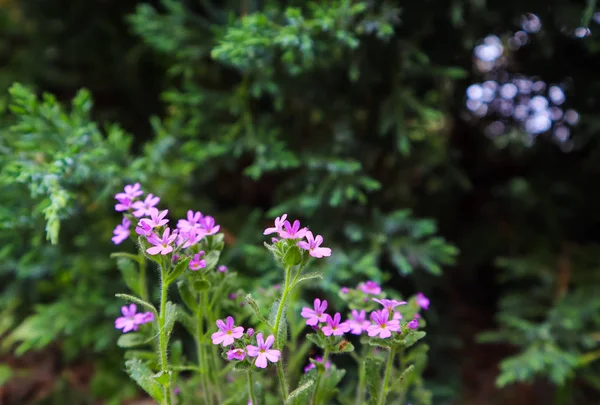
x,y
251,388
142,281
386,378
360,390
200,348
316,391
162,336
278,344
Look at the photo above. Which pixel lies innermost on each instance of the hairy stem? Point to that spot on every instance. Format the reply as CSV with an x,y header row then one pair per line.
x,y
386,378
200,348
142,281
278,344
162,336
316,391
251,388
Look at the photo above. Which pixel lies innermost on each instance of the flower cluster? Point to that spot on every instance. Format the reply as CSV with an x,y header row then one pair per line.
x,y
132,320
288,230
228,334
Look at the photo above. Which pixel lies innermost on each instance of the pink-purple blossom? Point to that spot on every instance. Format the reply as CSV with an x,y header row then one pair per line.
x,y
121,232
222,269
414,324
422,301
196,263
236,354
292,231
208,224
383,326
143,228
370,287
358,322
335,326
156,218
131,320
131,192
190,237
228,332
345,290
162,244
250,332
318,359
279,221
144,208
389,304
192,221
313,245
124,204
316,315
263,351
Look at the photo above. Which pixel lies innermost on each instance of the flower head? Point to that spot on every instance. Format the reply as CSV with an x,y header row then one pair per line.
x,y
125,204
228,332
127,322
389,304
208,224
334,326
370,287
344,290
279,221
156,218
144,208
131,192
191,237
144,317
313,246
358,322
121,232
236,354
316,315
222,269
414,324
192,221
422,301
383,325
161,245
196,263
250,332
318,359
292,231
263,351
143,227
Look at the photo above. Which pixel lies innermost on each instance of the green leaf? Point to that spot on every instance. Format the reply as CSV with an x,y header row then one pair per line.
x,y
170,317
316,339
406,371
300,390
143,376
129,274
128,340
163,378
179,268
126,255
308,276
186,294
283,327
373,376
200,285
137,300
293,256
187,321
6,374
254,305
212,259
343,347
413,338
242,366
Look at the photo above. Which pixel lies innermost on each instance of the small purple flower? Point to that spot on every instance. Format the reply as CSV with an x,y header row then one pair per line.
x,y
196,263
131,192
208,224
279,221
334,326
383,325
397,316
314,316
370,287
263,352
143,227
422,301
144,317
161,245
192,222
121,232
222,269
250,332
232,296
313,246
228,332
144,208
389,304
318,359
414,324
157,218
236,354
124,204
292,231
127,322
358,322
190,237
345,290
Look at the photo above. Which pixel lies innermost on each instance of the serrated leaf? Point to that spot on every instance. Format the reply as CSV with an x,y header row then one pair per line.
x,y
179,268
143,376
254,305
300,390
242,366
373,377
137,300
128,340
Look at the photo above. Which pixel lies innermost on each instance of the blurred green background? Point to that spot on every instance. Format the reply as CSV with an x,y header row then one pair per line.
x,y
445,146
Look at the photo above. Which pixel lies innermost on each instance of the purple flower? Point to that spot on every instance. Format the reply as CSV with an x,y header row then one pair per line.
x,y
222,269
124,204
131,192
161,245
313,246
314,316
121,232
190,237
370,287
192,222
397,316
358,322
422,301
345,290
414,324
208,224
143,227
263,352
196,263
144,208
279,221
292,231
318,359
228,332
250,332
144,317
334,326
383,325
156,218
389,304
127,322
236,354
